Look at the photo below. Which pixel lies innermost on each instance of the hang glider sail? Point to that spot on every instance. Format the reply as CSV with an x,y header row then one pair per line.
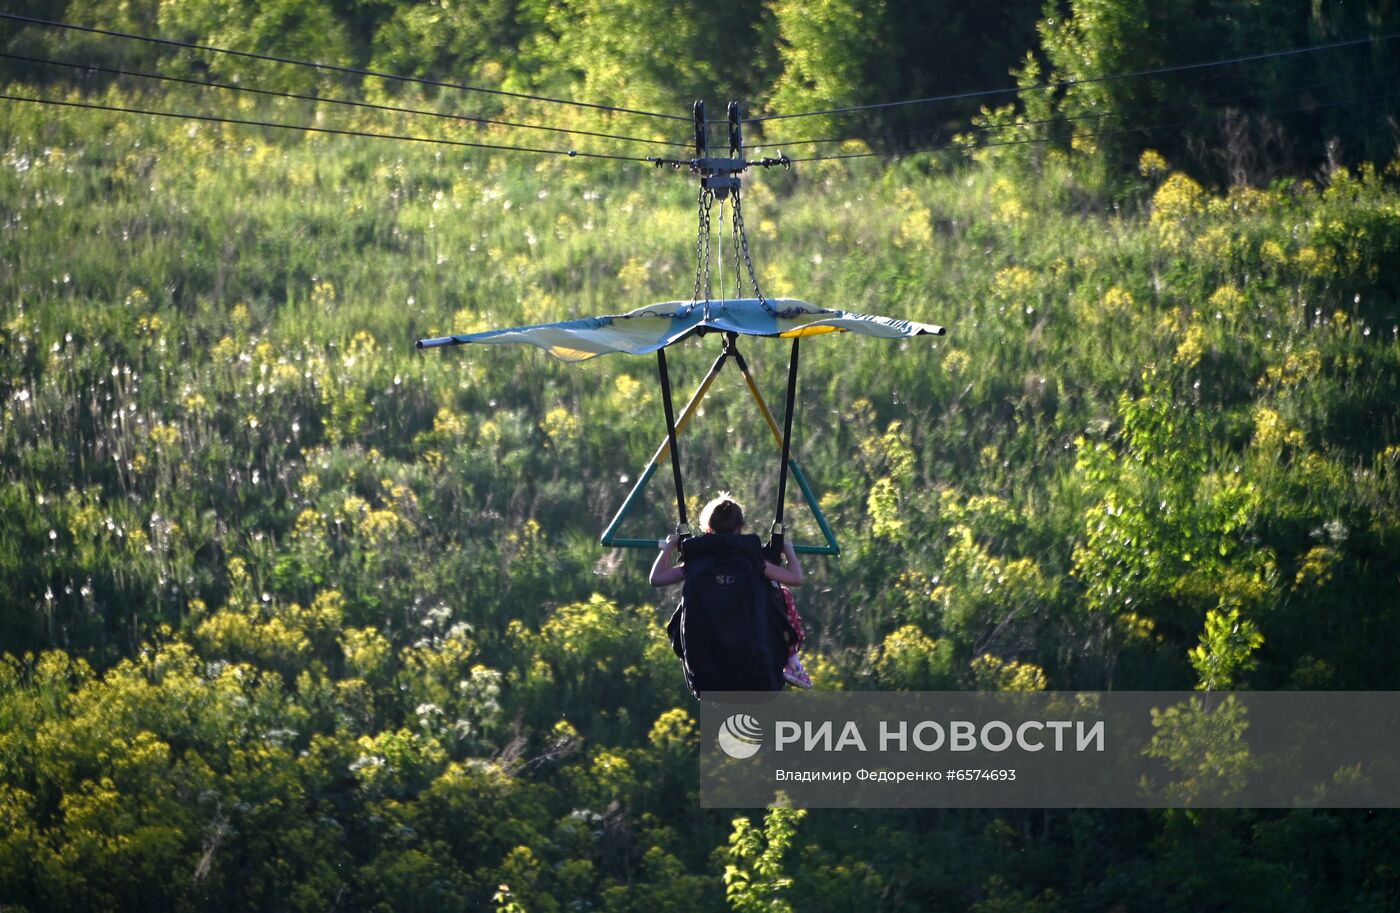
x,y
651,328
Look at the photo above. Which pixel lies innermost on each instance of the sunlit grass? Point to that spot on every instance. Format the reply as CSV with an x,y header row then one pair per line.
x,y
208,339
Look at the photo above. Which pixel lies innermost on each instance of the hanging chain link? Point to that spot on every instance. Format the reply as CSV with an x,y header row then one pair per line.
x,y
719,253
737,221
707,201
699,248
744,247
702,246
703,282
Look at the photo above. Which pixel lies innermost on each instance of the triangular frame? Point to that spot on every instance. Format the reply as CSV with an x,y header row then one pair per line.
x,y
611,539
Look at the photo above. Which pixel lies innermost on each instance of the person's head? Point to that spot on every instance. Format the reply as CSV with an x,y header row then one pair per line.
x,y
722,515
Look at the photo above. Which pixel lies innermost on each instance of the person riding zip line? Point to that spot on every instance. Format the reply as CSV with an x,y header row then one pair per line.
x,y
724,515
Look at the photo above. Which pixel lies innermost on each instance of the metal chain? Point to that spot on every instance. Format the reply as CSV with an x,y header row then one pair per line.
x,y
699,248
719,253
744,246
738,255
702,247
709,201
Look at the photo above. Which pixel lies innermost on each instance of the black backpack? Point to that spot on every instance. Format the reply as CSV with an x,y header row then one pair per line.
x,y
729,630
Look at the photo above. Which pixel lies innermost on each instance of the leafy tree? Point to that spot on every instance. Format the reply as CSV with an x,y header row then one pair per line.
x,y
139,17
833,53
655,58
300,29
1166,539
1225,650
1096,39
455,42
754,877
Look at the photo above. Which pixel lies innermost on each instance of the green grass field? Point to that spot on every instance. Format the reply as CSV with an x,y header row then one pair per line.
x,y
298,617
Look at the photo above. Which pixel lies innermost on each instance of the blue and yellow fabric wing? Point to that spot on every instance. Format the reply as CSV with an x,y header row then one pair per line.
x,y
659,325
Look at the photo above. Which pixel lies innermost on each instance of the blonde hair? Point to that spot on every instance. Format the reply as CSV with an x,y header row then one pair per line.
x,y
722,515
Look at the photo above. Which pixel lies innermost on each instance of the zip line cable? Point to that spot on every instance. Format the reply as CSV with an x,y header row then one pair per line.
x,y
1302,109
1249,58
573,153
570,153
332,101
1092,135
892,136
607,108
336,68
1069,118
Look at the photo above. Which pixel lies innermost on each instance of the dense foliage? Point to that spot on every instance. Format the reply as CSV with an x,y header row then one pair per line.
x,y
1270,112
298,618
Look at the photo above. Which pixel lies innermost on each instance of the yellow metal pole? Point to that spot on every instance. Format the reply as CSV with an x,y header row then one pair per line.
x,y
763,406
686,414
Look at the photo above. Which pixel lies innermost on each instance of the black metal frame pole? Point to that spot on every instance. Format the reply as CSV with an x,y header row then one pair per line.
x,y
787,440
702,137
683,527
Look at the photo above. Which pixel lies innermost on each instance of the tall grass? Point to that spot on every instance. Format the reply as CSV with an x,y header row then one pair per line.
x,y
208,334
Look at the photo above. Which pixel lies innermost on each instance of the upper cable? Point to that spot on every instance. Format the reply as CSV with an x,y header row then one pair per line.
x,y
335,68
213,118
476,119
1066,83
1136,128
